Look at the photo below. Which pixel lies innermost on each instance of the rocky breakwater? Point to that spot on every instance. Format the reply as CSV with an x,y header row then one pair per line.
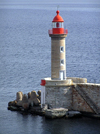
x,y
30,102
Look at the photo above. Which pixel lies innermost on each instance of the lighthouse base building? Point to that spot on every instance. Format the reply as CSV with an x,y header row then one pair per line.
x,y
72,93
60,91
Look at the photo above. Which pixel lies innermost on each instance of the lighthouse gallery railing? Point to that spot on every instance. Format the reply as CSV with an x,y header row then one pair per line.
x,y
51,31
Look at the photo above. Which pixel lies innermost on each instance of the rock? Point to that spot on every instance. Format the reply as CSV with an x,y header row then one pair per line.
x,y
29,95
33,100
39,97
37,110
19,96
13,108
25,103
25,99
12,103
30,100
55,113
71,114
36,101
33,94
25,106
19,103
45,107
39,92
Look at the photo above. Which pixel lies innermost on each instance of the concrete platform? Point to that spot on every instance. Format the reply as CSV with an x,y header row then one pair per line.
x,y
55,113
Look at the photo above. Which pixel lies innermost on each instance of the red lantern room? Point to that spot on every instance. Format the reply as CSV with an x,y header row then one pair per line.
x,y
58,25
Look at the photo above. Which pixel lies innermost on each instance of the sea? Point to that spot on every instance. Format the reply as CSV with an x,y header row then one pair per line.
x,y
25,58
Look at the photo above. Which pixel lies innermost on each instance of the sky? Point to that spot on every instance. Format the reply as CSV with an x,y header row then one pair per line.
x,y
48,1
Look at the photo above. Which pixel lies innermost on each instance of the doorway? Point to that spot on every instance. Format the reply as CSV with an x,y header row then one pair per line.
x,y
61,75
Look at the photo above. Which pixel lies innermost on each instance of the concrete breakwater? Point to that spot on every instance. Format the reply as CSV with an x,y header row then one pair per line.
x,y
80,106
25,102
31,103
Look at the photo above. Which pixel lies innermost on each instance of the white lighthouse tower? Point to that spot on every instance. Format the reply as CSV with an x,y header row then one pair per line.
x,y
53,88
58,57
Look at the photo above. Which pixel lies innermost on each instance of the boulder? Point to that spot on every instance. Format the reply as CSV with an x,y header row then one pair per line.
x,y
33,94
25,106
19,103
25,103
29,95
71,114
19,96
39,97
36,101
39,92
33,100
25,99
44,107
12,103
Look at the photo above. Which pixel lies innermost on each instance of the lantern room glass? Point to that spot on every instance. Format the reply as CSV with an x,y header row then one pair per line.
x,y
57,25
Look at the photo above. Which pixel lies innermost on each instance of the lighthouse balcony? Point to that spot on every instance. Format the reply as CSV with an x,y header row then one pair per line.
x,y
51,31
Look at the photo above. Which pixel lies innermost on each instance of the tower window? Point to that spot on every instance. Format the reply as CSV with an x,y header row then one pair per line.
x,y
62,24
62,62
61,49
54,25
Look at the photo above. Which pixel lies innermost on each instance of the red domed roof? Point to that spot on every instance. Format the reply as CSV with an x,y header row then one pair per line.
x,y
58,18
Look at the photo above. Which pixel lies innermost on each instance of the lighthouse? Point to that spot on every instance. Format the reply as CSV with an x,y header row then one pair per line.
x,y
58,57
54,88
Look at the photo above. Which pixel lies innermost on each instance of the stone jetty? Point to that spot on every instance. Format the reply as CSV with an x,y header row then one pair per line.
x,y
31,103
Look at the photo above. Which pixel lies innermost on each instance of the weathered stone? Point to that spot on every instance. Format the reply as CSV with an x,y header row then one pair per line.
x,y
58,96
71,114
19,103
29,95
55,113
12,103
33,100
78,80
13,108
32,97
39,92
36,101
25,99
86,101
33,94
25,105
39,97
45,107
24,102
19,96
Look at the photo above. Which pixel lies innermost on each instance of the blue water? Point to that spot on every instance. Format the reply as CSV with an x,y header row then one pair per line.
x,y
25,58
